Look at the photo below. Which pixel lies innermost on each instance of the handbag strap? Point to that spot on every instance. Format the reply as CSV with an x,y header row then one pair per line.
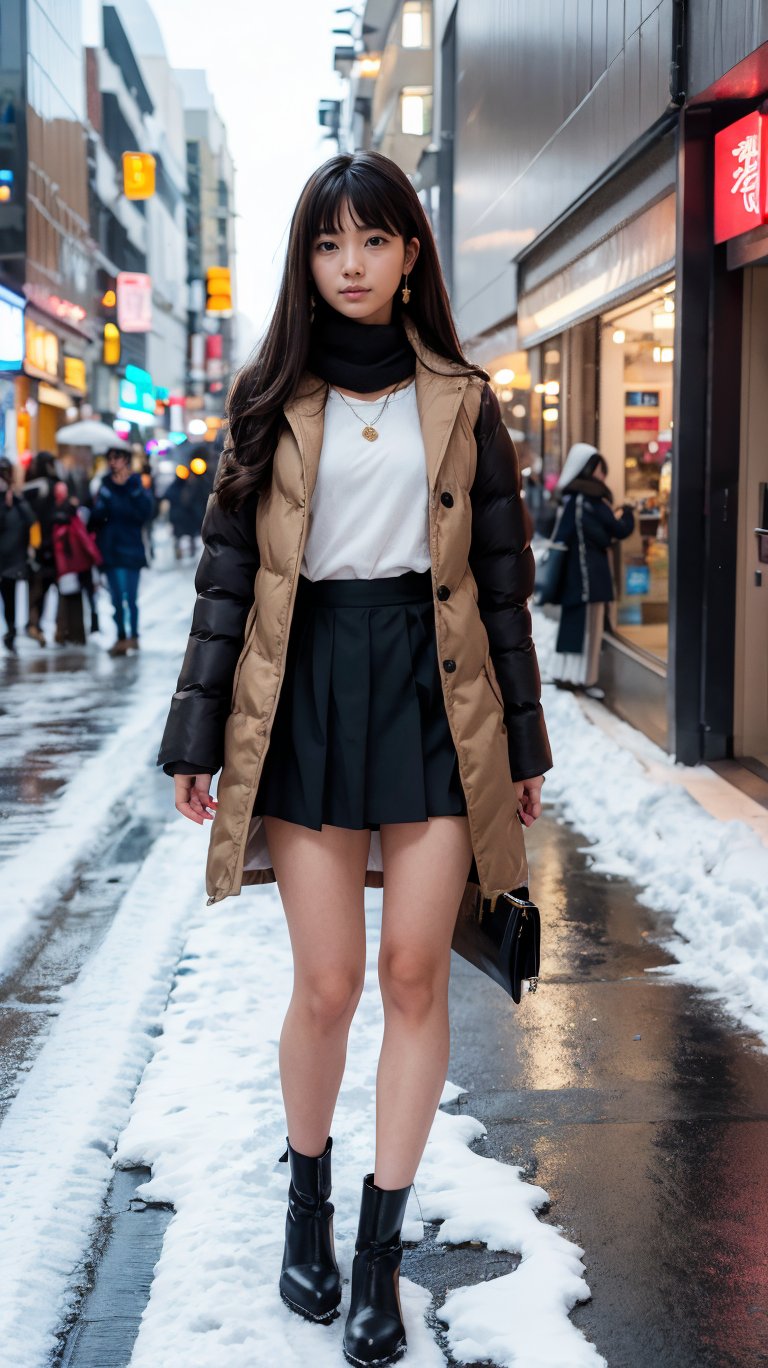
x,y
556,528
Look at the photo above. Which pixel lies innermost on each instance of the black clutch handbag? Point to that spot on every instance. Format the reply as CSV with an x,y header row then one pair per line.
x,y
502,937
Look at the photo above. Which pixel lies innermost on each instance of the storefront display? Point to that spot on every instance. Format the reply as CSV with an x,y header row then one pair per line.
x,y
528,387
635,436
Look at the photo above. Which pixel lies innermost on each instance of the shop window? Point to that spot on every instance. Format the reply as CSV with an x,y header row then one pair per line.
x,y
635,436
528,386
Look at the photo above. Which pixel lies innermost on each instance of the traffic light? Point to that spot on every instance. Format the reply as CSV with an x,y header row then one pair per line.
x,y
111,348
6,185
138,175
218,290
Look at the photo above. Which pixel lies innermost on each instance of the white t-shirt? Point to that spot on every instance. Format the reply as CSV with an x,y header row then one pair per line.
x,y
369,512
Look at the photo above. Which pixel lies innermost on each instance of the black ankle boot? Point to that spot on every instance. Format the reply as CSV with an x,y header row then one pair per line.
x,y
309,1279
375,1334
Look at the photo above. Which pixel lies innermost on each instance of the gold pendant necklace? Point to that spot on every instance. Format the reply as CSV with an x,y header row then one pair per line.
x,y
369,430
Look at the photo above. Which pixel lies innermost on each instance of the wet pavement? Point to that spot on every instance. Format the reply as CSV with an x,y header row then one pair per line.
x,y
643,1112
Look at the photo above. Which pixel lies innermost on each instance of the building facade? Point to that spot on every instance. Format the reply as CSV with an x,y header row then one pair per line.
x,y
575,214
210,243
46,258
102,299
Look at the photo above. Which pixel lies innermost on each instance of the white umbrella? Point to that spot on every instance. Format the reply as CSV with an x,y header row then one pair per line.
x,y
91,433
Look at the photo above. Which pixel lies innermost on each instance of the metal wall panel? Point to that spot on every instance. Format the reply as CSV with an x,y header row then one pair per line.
x,y
539,117
722,33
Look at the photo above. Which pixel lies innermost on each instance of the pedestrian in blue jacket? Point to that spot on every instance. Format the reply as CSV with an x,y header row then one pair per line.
x,y
121,509
588,526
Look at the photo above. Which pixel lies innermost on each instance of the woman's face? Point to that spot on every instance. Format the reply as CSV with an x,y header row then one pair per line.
x,y
358,270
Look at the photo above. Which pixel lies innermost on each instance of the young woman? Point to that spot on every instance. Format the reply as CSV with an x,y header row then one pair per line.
x,y
361,663
588,526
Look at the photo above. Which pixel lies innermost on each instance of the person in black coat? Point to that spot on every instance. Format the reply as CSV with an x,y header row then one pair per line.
x,y
16,518
42,476
188,500
588,526
121,508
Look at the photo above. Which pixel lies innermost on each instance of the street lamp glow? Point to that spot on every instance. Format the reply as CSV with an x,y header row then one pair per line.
x,y
505,376
197,427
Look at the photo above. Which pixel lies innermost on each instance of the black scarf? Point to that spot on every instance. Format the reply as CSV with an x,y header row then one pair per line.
x,y
362,357
590,485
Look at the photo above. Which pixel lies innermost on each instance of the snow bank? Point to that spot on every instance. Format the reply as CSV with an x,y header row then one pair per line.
x,y
711,876
68,831
58,1135
208,1118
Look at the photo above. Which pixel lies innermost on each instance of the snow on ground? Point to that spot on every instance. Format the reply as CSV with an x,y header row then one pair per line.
x,y
60,1131
68,831
710,875
208,1118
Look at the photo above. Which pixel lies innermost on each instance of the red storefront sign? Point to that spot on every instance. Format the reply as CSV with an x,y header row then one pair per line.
x,y
741,176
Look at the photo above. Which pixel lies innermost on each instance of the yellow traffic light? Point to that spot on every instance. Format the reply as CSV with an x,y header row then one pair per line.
x,y
111,349
218,290
138,175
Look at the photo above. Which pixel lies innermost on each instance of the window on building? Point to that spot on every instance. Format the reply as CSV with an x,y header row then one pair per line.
x,y
417,24
416,110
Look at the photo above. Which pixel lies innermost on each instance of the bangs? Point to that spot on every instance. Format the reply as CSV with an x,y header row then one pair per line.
x,y
369,204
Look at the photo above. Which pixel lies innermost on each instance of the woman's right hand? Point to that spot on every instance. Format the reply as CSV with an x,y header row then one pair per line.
x,y
193,797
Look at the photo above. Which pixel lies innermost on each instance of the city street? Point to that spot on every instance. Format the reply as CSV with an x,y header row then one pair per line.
x,y
419,349
595,1187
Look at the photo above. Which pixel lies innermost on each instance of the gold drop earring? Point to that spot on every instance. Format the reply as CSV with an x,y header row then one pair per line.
x,y
406,292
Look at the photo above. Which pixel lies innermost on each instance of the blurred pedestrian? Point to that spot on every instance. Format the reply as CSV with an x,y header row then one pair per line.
x,y
148,480
121,508
588,526
16,519
188,500
76,554
42,475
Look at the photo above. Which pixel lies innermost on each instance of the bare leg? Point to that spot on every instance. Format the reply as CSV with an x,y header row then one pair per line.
x,y
321,879
425,870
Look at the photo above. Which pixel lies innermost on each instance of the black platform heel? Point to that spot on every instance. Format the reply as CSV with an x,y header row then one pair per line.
x,y
375,1334
310,1283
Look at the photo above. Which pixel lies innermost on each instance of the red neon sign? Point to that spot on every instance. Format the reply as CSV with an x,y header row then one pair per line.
x,y
741,176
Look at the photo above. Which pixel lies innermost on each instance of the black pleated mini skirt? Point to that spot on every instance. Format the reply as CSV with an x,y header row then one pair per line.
x,y
360,736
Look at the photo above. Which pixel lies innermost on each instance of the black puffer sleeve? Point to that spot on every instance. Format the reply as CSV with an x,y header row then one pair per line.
x,y
501,561
193,740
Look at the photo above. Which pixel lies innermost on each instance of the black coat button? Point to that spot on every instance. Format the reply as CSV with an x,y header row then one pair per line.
x,y
449,666
447,499
443,592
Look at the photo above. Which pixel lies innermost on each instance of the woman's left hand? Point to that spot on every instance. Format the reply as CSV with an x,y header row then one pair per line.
x,y
529,799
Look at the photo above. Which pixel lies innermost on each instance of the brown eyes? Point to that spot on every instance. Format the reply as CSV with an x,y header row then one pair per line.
x,y
375,240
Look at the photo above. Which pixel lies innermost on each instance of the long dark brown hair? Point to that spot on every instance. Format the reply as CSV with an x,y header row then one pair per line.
x,y
379,195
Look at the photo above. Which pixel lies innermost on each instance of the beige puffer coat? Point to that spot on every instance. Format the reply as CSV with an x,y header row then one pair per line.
x,y
498,730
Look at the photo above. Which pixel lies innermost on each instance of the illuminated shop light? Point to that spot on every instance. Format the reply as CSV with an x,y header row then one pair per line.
x,y
505,376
